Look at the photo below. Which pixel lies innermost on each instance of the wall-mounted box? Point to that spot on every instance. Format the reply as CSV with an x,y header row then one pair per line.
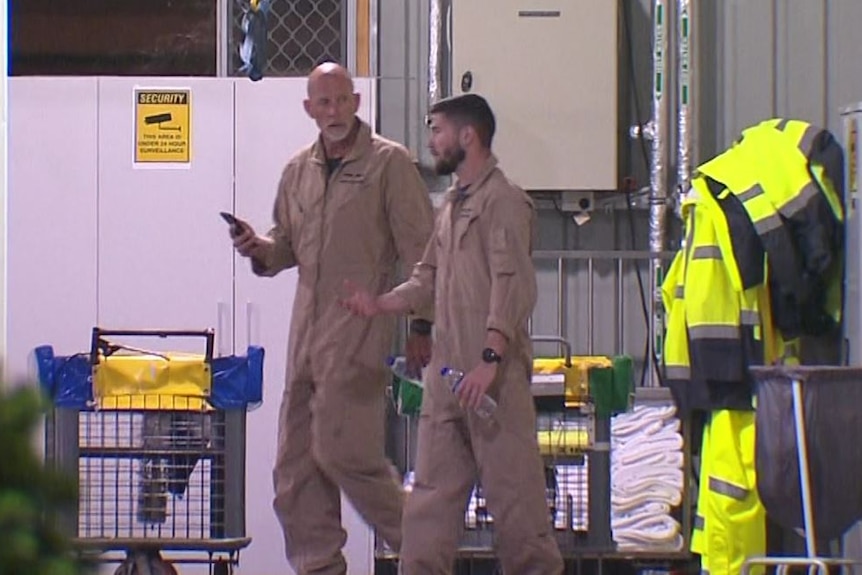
x,y
549,70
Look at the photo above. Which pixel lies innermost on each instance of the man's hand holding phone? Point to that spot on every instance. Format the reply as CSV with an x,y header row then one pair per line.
x,y
245,240
232,221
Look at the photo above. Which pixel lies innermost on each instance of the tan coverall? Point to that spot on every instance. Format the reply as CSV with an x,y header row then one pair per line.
x,y
478,270
373,209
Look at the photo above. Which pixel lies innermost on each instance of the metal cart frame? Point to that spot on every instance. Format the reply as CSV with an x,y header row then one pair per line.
x,y
596,543
205,441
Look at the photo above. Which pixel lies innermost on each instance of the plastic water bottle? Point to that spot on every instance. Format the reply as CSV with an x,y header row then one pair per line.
x,y
454,377
409,480
398,366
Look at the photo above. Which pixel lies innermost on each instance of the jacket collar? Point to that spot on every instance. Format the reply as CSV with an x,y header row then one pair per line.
x,y
360,146
456,191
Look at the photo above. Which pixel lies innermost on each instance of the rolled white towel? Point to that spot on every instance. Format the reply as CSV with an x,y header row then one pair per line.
x,y
637,426
651,432
634,478
647,508
621,460
656,531
662,410
644,411
672,459
636,543
656,470
663,442
627,501
656,523
650,491
647,422
638,418
648,441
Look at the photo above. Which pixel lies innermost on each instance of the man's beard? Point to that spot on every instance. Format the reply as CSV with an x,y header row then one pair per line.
x,y
447,163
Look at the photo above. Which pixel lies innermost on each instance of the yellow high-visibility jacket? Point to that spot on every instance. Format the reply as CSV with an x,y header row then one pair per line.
x,y
764,239
779,190
714,332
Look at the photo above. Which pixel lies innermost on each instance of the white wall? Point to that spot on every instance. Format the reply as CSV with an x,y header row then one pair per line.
x,y
94,240
52,209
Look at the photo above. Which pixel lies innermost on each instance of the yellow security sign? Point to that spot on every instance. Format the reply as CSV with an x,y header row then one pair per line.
x,y
162,126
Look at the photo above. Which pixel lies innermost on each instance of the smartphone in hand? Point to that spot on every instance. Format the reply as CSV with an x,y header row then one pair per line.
x,y
235,226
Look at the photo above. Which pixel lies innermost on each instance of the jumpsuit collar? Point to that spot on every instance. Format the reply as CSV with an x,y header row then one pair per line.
x,y
457,192
360,146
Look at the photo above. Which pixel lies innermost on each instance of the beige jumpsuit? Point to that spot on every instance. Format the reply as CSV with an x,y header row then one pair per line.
x,y
371,211
478,270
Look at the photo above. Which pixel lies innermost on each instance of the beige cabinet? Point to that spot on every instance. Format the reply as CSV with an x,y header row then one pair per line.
x,y
549,70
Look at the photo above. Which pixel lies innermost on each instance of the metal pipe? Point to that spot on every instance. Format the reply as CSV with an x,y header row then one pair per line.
x,y
591,298
561,312
349,41
223,35
437,49
804,473
620,307
658,128
685,98
658,182
373,57
581,255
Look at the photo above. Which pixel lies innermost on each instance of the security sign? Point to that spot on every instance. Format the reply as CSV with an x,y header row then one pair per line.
x,y
162,126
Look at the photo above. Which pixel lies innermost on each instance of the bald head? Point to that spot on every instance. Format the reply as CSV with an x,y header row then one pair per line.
x,y
331,72
332,102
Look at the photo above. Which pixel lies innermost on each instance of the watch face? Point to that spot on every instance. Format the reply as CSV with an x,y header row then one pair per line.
x,y
490,356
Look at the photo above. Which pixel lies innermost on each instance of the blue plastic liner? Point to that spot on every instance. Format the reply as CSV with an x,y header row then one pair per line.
x,y
238,380
68,380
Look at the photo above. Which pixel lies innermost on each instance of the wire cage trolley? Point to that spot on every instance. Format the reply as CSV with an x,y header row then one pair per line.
x,y
575,397
157,443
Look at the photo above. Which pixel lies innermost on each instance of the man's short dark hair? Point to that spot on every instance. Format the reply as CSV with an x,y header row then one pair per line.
x,y
469,109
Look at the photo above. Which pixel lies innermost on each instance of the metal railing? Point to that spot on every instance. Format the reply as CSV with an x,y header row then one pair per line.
x,y
564,307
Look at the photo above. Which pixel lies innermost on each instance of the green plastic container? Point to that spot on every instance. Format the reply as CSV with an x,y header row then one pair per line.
x,y
613,387
406,392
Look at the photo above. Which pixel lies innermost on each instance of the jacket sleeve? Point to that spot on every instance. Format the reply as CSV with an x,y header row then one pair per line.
x,y
411,217
418,291
513,277
279,256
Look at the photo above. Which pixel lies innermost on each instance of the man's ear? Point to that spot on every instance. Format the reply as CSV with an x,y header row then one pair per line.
x,y
307,105
466,135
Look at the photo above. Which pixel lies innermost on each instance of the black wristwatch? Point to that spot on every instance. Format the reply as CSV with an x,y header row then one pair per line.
x,y
491,356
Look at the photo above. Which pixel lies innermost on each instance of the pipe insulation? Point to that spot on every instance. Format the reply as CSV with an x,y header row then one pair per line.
x,y
437,50
658,132
685,115
658,183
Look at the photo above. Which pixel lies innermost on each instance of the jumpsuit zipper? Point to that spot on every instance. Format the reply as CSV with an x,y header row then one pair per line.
x,y
316,307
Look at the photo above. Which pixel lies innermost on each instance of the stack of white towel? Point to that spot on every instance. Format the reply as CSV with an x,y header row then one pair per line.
x,y
646,478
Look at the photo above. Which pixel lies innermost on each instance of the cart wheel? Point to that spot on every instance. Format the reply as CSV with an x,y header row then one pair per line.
x,y
222,568
146,564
